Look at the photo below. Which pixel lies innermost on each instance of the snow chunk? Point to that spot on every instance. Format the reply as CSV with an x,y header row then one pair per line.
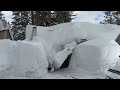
x,y
5,52
73,31
95,55
61,56
71,46
29,58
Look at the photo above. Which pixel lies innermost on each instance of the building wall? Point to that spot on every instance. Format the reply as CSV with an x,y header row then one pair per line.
x,y
4,34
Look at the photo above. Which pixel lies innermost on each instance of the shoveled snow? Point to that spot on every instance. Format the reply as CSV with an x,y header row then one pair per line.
x,y
30,59
77,30
5,47
58,58
23,58
96,55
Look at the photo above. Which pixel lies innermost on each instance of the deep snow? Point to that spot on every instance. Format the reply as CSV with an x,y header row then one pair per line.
x,y
30,59
23,58
96,55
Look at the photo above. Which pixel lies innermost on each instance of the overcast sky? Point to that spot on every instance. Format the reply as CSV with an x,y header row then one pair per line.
x,y
82,16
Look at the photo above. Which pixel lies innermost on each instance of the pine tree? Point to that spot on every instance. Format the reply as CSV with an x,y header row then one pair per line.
x,y
116,15
43,18
16,21
62,17
1,14
20,21
39,18
109,18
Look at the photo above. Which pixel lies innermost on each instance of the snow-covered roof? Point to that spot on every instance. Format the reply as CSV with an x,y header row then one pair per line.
x,y
4,25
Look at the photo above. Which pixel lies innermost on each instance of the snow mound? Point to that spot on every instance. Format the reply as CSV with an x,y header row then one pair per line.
x,y
78,30
29,58
64,33
5,52
95,55
46,45
56,38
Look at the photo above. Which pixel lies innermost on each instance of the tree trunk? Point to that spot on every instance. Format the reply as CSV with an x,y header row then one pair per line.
x,y
49,17
32,17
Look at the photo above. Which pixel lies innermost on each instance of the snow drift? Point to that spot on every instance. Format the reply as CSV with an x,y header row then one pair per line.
x,y
30,57
77,30
95,55
5,52
23,58
59,35
52,45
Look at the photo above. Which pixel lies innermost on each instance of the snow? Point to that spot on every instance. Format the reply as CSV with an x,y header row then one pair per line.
x,y
58,59
62,34
116,67
23,58
56,38
52,45
95,55
34,57
29,31
4,53
78,30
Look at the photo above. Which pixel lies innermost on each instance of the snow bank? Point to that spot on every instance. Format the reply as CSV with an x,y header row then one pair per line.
x,y
55,37
95,55
22,58
59,35
78,30
29,58
5,52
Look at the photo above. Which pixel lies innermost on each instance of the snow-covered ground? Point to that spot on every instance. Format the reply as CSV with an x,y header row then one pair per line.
x,y
29,59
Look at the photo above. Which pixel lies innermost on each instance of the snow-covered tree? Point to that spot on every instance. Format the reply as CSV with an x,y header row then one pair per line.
x,y
62,17
19,23
117,17
109,18
1,14
41,18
